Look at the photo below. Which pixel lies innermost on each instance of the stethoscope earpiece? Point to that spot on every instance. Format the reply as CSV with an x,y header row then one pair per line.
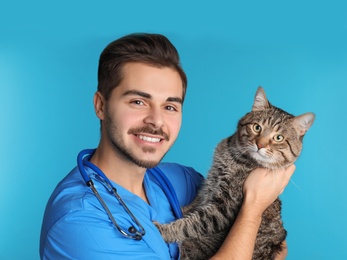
x,y
138,237
132,229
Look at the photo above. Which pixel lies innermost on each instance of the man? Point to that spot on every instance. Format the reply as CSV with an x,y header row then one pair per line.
x,y
141,89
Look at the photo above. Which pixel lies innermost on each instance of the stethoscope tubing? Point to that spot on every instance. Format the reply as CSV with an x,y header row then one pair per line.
x,y
134,233
168,189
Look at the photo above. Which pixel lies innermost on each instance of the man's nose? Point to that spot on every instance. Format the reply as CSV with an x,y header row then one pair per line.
x,y
155,117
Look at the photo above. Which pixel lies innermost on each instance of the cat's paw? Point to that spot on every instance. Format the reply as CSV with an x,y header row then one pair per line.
x,y
165,232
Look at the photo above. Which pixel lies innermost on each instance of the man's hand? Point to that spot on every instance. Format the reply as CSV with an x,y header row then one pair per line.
x,y
263,186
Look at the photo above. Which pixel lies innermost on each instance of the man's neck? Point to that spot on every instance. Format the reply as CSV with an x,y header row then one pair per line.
x,y
124,173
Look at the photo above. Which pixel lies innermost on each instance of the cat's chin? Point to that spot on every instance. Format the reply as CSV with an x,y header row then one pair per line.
x,y
264,160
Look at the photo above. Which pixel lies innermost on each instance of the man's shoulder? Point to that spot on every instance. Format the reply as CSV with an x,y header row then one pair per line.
x,y
185,180
176,170
72,186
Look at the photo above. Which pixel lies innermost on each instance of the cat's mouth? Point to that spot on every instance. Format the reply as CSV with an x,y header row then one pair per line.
x,y
264,159
261,155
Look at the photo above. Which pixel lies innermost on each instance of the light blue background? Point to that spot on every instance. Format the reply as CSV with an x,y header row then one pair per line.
x,y
297,50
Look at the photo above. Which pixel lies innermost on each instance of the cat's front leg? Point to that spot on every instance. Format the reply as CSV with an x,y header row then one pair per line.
x,y
175,231
192,206
202,222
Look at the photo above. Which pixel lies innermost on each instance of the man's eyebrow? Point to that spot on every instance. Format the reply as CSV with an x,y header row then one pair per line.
x,y
137,93
175,99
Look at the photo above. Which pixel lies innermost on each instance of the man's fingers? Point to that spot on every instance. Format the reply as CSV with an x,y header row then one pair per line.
x,y
290,170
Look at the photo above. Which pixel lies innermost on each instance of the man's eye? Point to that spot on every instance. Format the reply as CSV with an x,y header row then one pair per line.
x,y
171,108
138,102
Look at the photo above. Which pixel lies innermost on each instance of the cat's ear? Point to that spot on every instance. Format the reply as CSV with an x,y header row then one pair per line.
x,y
303,122
260,100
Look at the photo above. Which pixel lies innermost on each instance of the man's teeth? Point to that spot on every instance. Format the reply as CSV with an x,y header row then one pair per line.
x,y
149,139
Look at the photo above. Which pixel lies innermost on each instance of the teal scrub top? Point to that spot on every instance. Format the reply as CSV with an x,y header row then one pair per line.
x,y
76,226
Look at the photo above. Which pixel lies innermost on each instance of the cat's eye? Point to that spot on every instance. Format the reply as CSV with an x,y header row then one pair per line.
x,y
278,138
256,128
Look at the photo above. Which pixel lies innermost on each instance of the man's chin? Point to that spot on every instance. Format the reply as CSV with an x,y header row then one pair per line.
x,y
147,164
149,159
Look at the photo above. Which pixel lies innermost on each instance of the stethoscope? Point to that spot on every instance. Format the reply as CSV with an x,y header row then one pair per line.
x,y
132,232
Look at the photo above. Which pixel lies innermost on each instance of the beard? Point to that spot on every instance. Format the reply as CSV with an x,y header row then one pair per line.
x,y
114,136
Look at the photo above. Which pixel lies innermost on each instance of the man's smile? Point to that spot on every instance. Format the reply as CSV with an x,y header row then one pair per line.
x,y
149,139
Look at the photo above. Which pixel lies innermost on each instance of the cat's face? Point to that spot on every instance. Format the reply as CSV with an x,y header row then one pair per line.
x,y
271,136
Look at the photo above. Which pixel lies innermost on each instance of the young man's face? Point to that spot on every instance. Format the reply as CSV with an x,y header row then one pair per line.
x,y
143,114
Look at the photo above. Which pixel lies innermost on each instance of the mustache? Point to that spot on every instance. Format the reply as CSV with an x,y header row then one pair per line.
x,y
149,130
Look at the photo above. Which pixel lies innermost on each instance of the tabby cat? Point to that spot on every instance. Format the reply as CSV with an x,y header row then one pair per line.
x,y
266,137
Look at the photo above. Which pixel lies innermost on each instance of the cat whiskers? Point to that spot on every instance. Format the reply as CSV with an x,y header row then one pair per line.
x,y
295,184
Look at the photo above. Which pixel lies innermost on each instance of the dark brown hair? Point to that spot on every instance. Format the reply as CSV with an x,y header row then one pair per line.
x,y
152,49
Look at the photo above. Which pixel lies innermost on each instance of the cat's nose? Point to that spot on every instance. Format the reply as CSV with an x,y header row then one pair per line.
x,y
262,142
260,145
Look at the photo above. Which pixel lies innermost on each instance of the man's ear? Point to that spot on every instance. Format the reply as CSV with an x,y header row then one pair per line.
x,y
99,105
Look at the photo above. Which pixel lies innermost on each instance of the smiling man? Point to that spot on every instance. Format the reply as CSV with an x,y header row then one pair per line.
x,y
105,207
140,122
